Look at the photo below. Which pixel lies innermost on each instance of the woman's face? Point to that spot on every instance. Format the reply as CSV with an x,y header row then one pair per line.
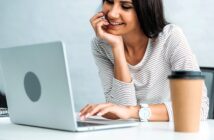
x,y
121,16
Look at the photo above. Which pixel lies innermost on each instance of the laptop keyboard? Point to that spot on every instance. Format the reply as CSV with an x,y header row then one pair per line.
x,y
3,112
88,124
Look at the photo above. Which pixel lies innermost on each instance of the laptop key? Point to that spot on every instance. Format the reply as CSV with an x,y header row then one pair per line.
x,y
88,124
3,112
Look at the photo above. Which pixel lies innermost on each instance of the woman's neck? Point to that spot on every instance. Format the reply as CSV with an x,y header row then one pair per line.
x,y
135,42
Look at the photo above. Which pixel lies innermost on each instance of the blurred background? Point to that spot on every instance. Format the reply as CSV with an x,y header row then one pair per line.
x,y
28,21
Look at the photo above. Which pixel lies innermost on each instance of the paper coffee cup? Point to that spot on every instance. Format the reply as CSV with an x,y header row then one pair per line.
x,y
186,93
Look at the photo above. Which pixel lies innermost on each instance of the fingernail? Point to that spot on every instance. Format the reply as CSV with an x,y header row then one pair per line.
x,y
106,23
99,114
82,118
87,115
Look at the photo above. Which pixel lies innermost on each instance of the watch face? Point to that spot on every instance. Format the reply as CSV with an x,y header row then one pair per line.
x,y
144,113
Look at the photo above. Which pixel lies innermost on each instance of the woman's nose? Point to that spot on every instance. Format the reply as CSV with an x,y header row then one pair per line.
x,y
114,12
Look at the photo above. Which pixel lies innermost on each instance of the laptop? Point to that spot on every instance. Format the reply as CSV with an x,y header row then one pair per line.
x,y
38,89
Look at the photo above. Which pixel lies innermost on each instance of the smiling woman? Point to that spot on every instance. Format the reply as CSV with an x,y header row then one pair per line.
x,y
127,22
135,50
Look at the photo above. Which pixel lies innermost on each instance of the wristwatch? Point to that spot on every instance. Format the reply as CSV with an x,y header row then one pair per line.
x,y
144,112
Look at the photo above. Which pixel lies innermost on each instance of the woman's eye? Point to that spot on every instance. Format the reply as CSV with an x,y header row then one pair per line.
x,y
126,7
110,1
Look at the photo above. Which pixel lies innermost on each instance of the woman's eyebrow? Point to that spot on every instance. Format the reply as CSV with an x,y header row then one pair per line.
x,y
126,1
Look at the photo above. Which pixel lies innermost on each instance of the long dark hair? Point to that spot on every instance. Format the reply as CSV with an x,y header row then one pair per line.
x,y
150,15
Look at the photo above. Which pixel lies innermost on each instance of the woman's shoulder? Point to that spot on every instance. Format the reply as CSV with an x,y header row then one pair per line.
x,y
169,30
170,27
173,42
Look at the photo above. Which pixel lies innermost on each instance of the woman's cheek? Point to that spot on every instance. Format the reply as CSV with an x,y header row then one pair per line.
x,y
105,9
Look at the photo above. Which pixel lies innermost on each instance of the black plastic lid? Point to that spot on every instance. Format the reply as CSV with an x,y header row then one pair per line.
x,y
186,75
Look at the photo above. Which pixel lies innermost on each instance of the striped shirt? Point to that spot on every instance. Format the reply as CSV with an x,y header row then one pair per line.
x,y
169,51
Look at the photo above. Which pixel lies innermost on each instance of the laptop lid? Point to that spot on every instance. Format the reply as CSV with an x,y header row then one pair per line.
x,y
37,85
38,89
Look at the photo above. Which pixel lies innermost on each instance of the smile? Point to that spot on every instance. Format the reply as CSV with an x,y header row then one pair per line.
x,y
115,23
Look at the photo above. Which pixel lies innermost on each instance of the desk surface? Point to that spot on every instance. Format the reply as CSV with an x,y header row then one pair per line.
x,y
145,131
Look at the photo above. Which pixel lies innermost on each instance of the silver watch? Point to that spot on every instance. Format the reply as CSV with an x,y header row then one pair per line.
x,y
144,112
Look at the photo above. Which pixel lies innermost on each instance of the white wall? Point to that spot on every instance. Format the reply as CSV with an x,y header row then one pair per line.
x,y
197,20
35,21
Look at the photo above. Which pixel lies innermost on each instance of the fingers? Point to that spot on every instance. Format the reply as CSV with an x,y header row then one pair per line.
x,y
99,28
98,22
96,110
108,110
91,110
85,110
111,116
97,16
104,110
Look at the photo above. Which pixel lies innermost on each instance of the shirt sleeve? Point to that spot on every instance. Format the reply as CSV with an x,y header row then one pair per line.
x,y
115,91
181,57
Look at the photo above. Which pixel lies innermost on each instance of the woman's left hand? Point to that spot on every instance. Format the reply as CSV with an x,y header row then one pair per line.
x,y
107,110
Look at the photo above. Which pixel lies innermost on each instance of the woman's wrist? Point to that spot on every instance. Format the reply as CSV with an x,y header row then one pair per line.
x,y
118,47
118,41
134,112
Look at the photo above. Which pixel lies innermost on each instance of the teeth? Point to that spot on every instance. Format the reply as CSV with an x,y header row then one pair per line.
x,y
115,23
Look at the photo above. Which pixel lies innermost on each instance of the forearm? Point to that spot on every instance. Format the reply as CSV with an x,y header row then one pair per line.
x,y
115,90
159,112
121,70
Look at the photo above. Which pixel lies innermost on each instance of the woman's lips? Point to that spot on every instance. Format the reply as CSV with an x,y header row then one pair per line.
x,y
115,25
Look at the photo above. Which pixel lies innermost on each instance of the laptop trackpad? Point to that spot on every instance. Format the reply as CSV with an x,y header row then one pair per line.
x,y
98,120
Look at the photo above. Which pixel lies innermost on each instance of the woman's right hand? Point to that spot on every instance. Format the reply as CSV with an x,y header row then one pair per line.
x,y
109,111
100,24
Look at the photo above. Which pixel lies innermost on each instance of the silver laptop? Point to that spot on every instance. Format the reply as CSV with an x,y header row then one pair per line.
x,y
38,89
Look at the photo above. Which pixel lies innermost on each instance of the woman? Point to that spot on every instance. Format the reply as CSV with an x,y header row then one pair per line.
x,y
135,50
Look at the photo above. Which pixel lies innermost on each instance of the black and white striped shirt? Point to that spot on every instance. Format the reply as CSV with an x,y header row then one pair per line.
x,y
169,51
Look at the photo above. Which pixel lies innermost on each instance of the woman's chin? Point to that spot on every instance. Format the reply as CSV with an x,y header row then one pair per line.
x,y
114,32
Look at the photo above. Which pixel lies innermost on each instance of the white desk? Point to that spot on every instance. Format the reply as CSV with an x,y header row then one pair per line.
x,y
145,131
